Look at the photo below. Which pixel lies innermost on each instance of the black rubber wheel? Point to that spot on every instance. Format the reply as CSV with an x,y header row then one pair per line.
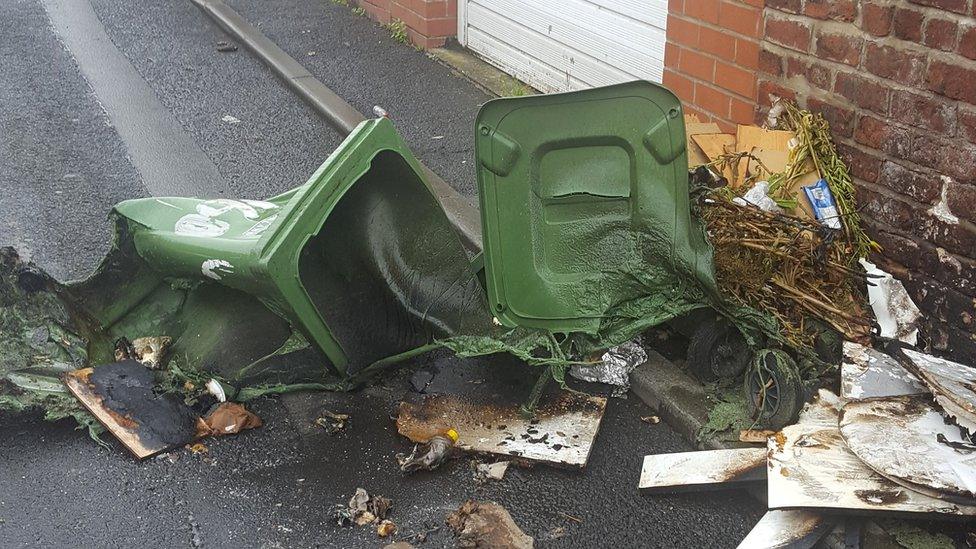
x,y
773,389
717,350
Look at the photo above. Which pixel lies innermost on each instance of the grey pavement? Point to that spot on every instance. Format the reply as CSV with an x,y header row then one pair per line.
x,y
63,165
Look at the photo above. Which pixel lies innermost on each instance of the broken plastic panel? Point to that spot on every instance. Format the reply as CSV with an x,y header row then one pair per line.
x,y
362,248
579,191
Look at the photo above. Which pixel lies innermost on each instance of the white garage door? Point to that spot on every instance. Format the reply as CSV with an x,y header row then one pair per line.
x,y
561,45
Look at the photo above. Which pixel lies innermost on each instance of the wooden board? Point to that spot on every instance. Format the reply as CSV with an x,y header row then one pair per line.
x,y
918,459
133,433
686,471
779,529
748,138
715,145
810,467
869,373
562,432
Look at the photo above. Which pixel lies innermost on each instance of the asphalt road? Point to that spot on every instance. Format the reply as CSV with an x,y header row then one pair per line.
x,y
63,165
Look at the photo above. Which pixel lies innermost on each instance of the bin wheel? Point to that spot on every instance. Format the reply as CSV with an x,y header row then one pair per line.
x,y
717,350
773,389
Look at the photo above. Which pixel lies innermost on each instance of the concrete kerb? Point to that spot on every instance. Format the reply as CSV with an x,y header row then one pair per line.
x,y
336,111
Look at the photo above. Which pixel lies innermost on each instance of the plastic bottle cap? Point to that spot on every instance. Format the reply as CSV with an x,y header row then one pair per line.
x,y
453,435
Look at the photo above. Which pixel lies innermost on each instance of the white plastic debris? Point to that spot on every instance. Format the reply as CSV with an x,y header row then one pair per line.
x,y
758,196
614,367
217,390
231,119
896,313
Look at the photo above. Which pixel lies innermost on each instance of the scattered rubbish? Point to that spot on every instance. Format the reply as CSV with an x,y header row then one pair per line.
x,y
614,367
554,534
223,46
822,201
811,467
562,431
437,137
869,373
311,53
230,418
151,351
198,448
431,454
386,528
758,196
894,310
951,383
653,420
491,471
755,435
687,471
121,396
217,390
787,529
380,112
363,509
919,460
230,120
332,422
570,517
487,525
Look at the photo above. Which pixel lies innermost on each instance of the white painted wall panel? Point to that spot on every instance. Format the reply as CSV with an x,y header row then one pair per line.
x,y
561,45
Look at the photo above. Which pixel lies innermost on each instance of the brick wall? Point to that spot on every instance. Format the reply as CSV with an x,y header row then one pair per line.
x,y
897,81
429,22
711,58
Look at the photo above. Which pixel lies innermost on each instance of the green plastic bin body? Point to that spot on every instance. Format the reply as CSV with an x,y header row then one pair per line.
x,y
360,258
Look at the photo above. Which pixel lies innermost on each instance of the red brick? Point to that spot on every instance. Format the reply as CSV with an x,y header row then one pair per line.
x,y
887,209
967,42
790,6
697,65
876,18
712,100
954,237
906,251
908,24
442,27
681,31
767,88
741,19
952,80
735,79
958,161
898,142
747,53
966,124
770,63
921,187
961,200
838,10
862,92
871,132
816,74
924,112
377,13
841,119
861,164
672,55
683,87
676,6
843,48
957,6
705,10
717,43
902,66
940,34
790,34
742,112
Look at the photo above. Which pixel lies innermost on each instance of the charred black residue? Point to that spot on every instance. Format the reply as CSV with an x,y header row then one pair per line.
x,y
881,497
126,388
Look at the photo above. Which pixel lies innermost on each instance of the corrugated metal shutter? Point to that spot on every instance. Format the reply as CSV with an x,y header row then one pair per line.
x,y
561,45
